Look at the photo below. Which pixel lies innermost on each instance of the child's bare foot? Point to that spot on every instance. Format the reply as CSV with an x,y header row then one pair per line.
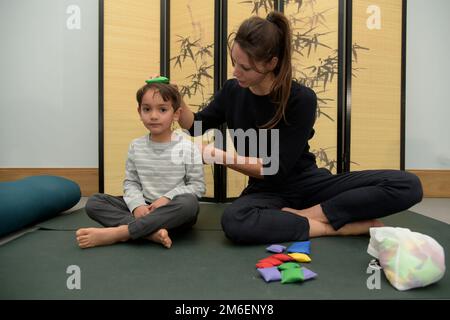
x,y
93,237
161,236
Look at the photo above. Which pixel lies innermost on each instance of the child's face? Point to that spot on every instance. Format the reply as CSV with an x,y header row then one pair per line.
x,y
156,114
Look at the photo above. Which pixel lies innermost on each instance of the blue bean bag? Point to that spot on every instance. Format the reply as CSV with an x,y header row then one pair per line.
x,y
33,199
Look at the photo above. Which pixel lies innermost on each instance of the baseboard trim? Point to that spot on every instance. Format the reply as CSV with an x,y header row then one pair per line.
x,y
435,183
87,178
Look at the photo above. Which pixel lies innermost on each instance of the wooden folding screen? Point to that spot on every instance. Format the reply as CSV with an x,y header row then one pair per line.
x,y
372,111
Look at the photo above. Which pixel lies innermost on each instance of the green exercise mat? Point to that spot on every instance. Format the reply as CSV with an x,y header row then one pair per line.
x,y
208,219
202,264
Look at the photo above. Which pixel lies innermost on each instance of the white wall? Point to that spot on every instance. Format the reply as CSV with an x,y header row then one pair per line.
x,y
428,85
48,85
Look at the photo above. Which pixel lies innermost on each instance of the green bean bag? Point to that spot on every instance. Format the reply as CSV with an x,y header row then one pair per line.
x,y
33,199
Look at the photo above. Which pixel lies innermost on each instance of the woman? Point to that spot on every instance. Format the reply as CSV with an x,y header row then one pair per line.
x,y
300,200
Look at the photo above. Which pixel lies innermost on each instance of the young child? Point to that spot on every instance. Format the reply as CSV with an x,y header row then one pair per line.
x,y
164,179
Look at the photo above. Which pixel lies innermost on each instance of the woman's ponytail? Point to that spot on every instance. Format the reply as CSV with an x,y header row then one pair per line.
x,y
262,40
281,86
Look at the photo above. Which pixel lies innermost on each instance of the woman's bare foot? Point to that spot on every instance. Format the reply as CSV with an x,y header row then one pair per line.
x,y
319,229
314,213
93,237
359,227
161,236
320,226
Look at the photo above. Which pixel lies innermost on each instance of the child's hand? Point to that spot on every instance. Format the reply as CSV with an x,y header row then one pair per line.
x,y
158,203
141,211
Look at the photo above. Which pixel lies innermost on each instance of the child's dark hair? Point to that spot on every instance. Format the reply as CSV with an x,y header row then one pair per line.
x,y
262,39
167,92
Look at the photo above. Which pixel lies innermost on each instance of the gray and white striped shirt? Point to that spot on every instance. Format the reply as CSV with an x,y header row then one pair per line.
x,y
154,170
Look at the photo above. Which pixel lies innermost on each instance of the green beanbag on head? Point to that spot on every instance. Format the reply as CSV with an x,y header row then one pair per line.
x,y
30,200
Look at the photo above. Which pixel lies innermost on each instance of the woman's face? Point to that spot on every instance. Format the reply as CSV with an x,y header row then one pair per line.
x,y
243,71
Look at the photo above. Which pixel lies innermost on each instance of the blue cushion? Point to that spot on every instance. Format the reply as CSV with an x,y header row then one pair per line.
x,y
33,199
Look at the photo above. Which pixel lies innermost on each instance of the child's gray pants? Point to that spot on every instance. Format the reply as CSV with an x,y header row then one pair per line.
x,y
111,211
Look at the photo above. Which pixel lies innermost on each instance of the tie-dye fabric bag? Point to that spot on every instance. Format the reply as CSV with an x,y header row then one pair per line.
x,y
409,259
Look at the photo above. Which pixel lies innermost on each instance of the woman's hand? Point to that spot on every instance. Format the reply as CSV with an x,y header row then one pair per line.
x,y
249,166
208,152
211,155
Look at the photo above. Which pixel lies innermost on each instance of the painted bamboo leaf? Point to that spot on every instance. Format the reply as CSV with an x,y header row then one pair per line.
x,y
267,5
